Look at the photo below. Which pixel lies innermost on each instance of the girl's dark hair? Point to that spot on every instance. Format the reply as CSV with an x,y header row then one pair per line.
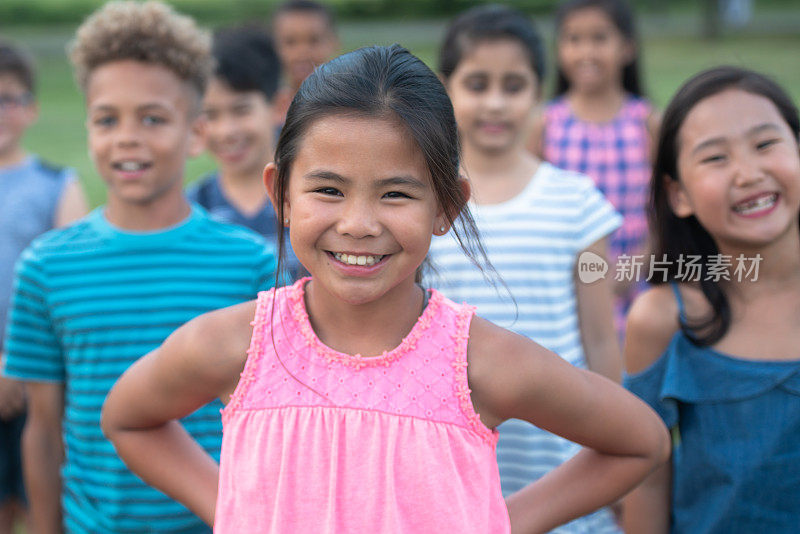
x,y
246,60
623,18
674,236
384,82
487,23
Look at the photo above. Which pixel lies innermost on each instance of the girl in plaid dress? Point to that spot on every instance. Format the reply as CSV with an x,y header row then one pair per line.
x,y
599,123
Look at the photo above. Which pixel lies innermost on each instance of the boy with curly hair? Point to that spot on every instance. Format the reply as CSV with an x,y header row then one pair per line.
x,y
91,299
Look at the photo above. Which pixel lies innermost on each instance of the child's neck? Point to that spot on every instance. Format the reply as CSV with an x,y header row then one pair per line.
x,y
765,324
245,191
498,177
367,329
596,106
12,157
161,213
778,268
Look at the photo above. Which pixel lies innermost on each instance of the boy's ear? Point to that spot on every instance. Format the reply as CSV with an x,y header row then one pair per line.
x,y
443,218
196,137
677,197
270,184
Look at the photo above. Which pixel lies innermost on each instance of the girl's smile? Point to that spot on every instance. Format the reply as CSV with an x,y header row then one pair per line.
x,y
756,205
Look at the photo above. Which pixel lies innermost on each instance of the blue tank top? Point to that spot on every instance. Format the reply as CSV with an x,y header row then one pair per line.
x,y
736,460
29,194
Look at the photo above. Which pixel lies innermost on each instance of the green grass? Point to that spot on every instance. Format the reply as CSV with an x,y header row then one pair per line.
x,y
672,52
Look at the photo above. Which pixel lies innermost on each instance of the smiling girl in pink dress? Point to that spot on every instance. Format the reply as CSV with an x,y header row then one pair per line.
x,y
365,403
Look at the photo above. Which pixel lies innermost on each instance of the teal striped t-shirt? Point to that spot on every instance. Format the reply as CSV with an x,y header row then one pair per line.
x,y
91,299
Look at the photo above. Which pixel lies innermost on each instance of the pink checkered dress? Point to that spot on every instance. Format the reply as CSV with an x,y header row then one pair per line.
x,y
615,155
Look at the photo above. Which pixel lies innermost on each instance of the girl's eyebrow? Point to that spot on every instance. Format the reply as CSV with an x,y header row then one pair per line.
x,y
762,127
755,130
403,180
325,175
408,181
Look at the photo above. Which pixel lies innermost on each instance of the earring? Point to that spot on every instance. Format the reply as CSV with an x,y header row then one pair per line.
x,y
286,221
443,228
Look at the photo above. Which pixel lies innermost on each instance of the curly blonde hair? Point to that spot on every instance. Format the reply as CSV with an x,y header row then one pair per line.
x,y
151,32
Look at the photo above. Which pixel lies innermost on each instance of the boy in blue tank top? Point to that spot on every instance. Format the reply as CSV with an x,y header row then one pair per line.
x,y
92,298
238,133
34,197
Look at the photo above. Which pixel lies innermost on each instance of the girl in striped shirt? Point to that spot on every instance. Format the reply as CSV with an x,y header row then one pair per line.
x,y
536,222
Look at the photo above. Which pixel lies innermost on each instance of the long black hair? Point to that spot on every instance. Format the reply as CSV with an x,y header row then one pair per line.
x,y
675,236
384,82
623,18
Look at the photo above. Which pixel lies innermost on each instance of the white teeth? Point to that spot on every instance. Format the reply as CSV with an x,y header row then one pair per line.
x,y
356,260
131,166
757,204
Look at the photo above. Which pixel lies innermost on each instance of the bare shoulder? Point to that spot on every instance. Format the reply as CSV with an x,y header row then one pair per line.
x,y
491,345
652,322
500,365
214,345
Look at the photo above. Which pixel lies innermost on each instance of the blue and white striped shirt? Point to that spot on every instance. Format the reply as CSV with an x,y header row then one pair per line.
x,y
533,241
90,300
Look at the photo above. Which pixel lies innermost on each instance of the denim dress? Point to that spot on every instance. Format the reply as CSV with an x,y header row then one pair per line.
x,y
736,455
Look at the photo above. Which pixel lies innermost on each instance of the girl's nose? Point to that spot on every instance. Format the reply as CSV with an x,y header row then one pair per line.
x,y
748,171
358,220
495,99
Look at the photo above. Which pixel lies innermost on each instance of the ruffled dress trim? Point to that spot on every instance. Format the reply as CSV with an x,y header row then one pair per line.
x,y
254,352
692,374
462,391
357,361
703,375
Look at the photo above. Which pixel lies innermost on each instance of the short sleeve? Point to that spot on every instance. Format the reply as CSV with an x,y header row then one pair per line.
x,y
597,217
265,270
33,351
649,385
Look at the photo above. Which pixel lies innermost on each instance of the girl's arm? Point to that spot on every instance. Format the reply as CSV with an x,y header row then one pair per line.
x,y
596,320
652,322
511,376
199,362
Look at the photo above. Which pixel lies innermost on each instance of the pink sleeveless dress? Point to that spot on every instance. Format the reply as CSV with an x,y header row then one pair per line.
x,y
317,441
